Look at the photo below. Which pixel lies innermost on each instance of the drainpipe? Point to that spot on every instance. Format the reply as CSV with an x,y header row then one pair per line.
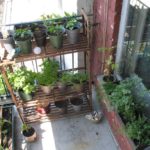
x,y
122,28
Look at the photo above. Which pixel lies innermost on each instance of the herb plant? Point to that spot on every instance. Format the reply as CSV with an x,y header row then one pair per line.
x,y
22,79
22,34
49,73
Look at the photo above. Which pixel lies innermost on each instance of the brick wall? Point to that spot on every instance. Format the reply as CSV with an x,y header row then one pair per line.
x,y
106,14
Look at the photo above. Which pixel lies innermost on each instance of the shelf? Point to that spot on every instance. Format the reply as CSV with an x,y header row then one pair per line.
x,y
56,95
30,115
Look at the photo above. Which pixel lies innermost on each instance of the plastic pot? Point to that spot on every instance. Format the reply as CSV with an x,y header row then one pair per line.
x,y
76,103
56,41
40,38
25,46
73,36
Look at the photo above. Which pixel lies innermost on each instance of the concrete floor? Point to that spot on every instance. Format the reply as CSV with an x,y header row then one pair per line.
x,y
76,133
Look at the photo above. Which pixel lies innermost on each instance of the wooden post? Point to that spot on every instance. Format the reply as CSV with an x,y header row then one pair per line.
x,y
10,89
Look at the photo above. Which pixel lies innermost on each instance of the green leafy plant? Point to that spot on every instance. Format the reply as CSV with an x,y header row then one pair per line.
x,y
22,79
49,73
72,21
53,23
25,127
66,78
138,130
79,78
22,34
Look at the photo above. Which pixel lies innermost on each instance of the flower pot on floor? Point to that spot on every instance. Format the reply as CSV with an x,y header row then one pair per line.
x,y
76,103
62,106
30,135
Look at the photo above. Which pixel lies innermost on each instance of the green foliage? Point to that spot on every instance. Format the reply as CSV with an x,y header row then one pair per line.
x,y
2,89
49,74
66,78
72,22
53,24
123,101
139,130
22,79
137,126
55,29
79,78
25,127
22,34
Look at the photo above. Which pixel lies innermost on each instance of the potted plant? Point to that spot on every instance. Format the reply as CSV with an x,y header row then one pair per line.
x,y
76,103
23,40
79,80
29,133
64,81
22,81
39,33
47,78
72,27
55,29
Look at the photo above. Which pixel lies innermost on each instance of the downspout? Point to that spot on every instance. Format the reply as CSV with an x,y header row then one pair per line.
x,y
122,29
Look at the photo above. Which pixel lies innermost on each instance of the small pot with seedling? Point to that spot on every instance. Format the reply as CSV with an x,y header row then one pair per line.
x,y
39,33
23,40
79,80
22,80
55,29
72,28
76,103
29,133
47,78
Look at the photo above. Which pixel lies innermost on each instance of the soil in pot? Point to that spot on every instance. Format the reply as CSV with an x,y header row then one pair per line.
x,y
30,135
76,103
62,106
56,41
73,36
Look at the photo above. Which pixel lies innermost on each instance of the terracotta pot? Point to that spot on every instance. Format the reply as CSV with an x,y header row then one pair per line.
x,y
46,89
30,136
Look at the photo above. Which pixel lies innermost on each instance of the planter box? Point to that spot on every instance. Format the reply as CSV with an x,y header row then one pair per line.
x,y
115,122
7,112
